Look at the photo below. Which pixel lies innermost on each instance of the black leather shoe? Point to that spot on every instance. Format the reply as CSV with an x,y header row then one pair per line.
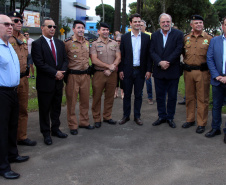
x,y
225,138
200,129
213,133
138,121
48,140
110,121
89,127
182,102
123,120
74,131
171,123
159,121
97,124
19,159
59,134
10,175
27,142
188,124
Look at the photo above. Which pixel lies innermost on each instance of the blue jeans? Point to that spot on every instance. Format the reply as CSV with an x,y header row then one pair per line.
x,y
149,88
162,88
138,82
218,93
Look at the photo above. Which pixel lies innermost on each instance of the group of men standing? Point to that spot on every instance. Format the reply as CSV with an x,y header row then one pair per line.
x,y
137,57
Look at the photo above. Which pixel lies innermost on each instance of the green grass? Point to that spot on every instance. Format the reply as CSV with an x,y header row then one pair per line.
x,y
33,101
181,89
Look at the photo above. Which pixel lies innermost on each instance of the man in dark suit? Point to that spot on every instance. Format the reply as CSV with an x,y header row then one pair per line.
x,y
166,48
50,58
135,66
216,60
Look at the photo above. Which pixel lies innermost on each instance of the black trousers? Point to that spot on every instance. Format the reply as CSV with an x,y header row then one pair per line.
x,y
49,108
9,113
136,81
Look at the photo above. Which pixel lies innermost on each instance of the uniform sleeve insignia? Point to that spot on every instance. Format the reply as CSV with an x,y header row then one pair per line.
x,y
187,42
25,41
87,45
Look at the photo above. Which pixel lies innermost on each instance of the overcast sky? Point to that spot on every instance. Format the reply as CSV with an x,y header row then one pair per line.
x,y
93,3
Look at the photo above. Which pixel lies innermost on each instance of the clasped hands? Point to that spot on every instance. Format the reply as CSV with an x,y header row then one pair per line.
x,y
221,79
164,64
60,75
110,69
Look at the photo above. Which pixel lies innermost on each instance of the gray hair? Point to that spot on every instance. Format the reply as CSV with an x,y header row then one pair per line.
x,y
119,35
145,25
165,14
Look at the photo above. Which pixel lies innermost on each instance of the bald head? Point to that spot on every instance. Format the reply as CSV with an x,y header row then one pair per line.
x,y
6,28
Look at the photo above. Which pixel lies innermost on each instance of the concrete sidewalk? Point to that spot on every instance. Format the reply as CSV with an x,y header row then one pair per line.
x,y
124,155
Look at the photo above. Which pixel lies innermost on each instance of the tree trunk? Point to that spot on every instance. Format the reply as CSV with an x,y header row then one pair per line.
x,y
138,6
54,14
124,17
117,16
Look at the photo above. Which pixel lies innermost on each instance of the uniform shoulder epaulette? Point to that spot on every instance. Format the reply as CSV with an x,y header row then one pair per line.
x,y
67,39
210,34
93,40
186,34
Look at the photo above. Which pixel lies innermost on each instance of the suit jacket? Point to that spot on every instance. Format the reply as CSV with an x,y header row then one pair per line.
x,y
171,53
126,64
215,58
46,65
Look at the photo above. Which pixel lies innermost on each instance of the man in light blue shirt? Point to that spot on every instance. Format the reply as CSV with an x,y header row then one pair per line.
x,y
216,60
9,110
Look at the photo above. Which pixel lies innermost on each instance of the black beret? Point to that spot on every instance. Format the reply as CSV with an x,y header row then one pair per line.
x,y
105,25
196,17
79,22
15,14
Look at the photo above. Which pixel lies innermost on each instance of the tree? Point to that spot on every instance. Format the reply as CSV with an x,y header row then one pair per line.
x,y
65,22
117,16
109,15
220,6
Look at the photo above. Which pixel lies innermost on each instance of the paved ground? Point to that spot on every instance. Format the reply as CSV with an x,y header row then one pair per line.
x,y
124,155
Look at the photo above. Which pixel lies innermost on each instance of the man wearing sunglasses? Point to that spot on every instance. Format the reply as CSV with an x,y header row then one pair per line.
x,y
50,59
19,43
9,81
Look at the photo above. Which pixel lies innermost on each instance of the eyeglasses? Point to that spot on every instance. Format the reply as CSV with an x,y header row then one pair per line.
x,y
26,34
7,24
17,20
50,26
118,40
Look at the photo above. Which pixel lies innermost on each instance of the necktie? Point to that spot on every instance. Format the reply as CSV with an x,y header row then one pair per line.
x,y
53,49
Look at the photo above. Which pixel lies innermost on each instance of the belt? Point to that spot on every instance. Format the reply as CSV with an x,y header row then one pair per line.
x,y
22,75
202,67
136,67
99,70
8,88
77,72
